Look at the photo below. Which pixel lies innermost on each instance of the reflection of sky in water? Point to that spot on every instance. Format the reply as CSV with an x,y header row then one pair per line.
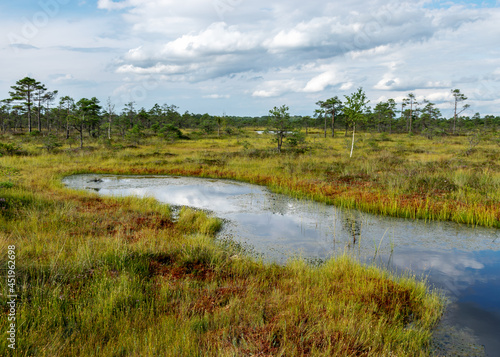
x,y
452,270
262,218
485,290
462,260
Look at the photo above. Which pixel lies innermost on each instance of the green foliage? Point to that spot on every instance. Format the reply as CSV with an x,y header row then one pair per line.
x,y
279,121
207,124
296,138
155,127
9,149
170,132
330,107
355,107
135,134
6,184
51,143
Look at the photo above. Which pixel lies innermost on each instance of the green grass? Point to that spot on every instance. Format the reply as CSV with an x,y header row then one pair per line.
x,y
410,177
121,277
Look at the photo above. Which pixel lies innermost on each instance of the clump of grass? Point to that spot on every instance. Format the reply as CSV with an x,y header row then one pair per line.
x,y
191,220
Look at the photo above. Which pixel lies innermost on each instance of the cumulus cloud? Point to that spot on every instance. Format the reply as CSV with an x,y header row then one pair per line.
x,y
293,49
320,82
276,88
218,38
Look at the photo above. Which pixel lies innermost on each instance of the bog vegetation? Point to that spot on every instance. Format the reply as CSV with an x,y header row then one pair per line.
x,y
108,276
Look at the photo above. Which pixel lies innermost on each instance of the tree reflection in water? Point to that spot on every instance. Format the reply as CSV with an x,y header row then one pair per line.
x,y
352,222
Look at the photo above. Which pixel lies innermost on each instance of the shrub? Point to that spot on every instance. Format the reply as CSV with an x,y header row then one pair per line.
x,y
9,149
51,143
6,184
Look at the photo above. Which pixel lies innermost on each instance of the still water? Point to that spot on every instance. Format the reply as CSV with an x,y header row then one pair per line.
x,y
462,261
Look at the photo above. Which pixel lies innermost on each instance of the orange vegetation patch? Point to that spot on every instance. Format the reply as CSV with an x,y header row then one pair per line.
x,y
216,299
111,218
95,204
390,297
167,267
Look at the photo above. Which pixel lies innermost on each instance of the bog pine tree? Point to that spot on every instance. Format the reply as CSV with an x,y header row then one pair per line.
x,y
24,92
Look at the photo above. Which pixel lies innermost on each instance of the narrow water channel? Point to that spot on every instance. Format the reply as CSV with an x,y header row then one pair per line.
x,y
463,261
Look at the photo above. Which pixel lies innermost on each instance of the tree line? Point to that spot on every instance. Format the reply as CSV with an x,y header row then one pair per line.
x,y
32,107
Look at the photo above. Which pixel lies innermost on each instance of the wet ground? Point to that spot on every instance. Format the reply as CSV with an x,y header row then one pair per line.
x,y
462,261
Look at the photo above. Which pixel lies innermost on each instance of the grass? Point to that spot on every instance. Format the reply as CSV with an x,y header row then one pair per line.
x,y
121,277
396,175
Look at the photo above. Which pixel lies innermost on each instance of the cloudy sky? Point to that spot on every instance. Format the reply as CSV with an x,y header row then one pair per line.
x,y
244,57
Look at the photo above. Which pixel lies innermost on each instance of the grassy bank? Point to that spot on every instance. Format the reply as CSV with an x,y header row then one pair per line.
x,y
119,277
445,178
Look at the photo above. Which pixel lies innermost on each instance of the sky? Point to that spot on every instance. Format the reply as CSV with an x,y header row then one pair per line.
x,y
242,57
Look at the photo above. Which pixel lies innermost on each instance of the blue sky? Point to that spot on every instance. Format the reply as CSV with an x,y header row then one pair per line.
x,y
243,58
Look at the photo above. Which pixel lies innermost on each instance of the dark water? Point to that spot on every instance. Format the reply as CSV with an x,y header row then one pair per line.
x,y
463,261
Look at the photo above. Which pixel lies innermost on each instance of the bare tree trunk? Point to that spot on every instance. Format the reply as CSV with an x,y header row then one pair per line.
x,y
411,116
352,144
29,111
455,117
81,132
333,123
39,116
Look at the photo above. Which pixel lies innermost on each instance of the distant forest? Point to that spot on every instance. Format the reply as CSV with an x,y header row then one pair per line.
x,y
31,107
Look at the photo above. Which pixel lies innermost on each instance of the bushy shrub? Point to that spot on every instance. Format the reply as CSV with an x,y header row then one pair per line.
x,y
9,149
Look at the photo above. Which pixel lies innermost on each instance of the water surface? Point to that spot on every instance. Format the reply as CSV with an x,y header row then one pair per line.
x,y
463,261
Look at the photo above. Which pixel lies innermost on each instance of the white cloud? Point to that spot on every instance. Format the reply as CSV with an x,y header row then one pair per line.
x,y
276,88
320,82
218,38
439,96
113,5
347,86
217,96
388,82
63,78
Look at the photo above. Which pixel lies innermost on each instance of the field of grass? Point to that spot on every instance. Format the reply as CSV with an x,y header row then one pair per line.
x,y
120,277
445,178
